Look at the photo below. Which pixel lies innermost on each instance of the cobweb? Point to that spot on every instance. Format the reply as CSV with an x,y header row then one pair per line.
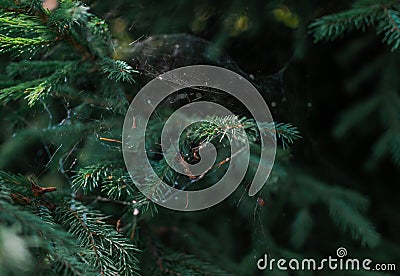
x,y
158,54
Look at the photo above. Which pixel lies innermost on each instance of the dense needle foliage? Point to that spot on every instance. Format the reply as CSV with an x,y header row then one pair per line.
x,y
69,70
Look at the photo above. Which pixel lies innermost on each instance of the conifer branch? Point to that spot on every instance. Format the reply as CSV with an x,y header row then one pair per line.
x,y
364,14
112,252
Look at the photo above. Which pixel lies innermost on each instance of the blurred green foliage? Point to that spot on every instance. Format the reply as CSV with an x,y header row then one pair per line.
x,y
63,107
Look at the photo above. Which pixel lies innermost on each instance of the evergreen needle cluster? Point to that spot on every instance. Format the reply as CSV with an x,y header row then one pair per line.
x,y
64,91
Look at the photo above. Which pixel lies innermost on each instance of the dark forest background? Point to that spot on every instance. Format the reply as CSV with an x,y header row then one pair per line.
x,y
336,186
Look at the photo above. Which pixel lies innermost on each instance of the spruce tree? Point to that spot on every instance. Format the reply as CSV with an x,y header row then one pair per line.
x,y
68,205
